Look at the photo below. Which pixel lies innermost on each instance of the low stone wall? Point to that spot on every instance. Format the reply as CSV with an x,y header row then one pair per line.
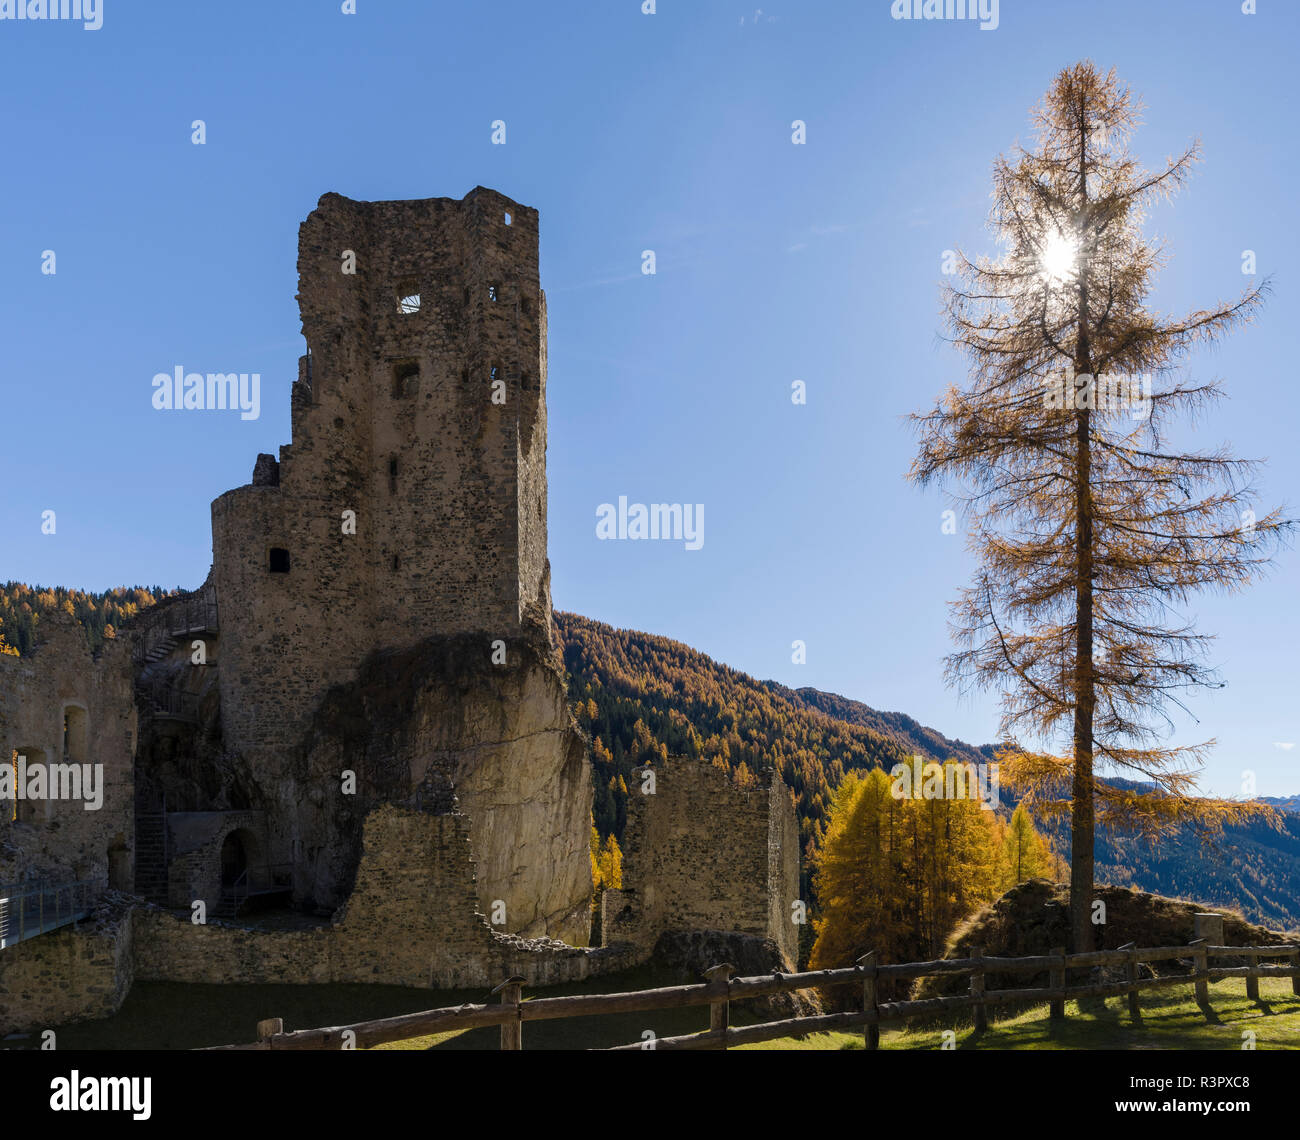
x,y
78,973
411,920
171,949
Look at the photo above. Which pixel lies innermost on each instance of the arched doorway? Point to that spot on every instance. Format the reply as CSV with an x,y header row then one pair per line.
x,y
234,858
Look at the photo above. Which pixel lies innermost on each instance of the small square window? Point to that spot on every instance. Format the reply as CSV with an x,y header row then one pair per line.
x,y
279,560
408,298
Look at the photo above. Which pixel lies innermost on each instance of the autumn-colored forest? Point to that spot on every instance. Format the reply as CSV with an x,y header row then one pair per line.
x,y
23,608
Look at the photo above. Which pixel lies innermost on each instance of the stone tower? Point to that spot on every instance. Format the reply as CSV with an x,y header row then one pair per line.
x,y
407,516
414,314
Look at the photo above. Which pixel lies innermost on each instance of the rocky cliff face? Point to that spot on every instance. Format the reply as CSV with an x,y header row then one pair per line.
x,y
441,718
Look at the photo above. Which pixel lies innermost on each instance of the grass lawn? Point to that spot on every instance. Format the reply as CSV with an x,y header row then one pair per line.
x,y
1170,1020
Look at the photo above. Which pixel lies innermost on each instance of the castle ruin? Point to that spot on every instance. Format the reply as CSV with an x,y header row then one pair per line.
x,y
360,713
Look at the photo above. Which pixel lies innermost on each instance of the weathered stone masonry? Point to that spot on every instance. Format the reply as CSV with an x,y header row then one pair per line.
x,y
702,853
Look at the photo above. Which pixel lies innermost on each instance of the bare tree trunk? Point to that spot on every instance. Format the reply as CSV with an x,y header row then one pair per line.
x,y
1082,814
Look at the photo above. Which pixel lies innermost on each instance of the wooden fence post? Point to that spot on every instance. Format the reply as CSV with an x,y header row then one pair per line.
x,y
1201,965
979,1010
1131,969
1056,979
269,1028
512,1031
1252,978
870,1005
720,1011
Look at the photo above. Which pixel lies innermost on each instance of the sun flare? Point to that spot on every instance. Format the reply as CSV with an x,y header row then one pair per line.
x,y
1060,256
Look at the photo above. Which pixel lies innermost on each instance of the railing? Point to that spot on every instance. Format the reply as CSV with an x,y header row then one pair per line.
x,y
721,989
174,618
29,909
268,877
171,700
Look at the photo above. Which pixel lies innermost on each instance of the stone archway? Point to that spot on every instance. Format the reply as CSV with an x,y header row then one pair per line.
x,y
238,855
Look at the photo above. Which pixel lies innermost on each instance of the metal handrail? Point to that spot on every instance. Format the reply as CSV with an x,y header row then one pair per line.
x,y
17,911
238,899
175,617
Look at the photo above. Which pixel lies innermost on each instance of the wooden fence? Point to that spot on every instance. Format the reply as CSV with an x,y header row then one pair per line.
x,y
720,989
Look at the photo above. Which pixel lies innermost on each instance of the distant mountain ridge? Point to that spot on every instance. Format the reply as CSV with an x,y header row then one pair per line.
x,y
928,742
1282,803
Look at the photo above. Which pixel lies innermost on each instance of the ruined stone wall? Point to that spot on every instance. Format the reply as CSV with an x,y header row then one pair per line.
x,y
703,854
783,861
441,714
411,921
60,839
72,974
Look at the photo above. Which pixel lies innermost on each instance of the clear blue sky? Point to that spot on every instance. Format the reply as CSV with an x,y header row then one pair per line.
x,y
776,262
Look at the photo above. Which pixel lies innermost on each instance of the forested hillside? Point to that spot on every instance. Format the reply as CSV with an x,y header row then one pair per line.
x,y
22,608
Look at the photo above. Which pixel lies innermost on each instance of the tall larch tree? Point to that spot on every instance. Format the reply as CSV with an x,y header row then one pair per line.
x,y
1089,524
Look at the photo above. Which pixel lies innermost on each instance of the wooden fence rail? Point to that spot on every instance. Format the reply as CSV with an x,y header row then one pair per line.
x,y
720,989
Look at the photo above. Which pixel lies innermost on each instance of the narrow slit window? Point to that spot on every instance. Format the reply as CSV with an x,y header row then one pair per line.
x,y
509,219
279,563
392,473
492,292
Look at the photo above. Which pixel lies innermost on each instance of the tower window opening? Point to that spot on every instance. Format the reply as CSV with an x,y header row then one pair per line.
x,y
396,562
408,298
392,473
74,735
279,563
406,378
508,218
492,292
